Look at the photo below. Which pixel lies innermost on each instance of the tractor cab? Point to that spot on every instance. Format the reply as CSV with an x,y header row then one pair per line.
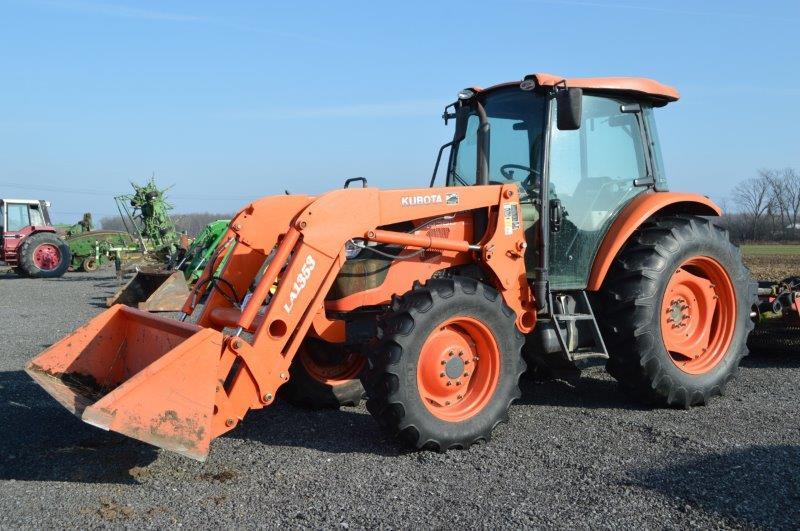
x,y
579,150
16,214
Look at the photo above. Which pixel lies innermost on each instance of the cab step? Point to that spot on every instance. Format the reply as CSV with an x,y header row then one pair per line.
x,y
576,327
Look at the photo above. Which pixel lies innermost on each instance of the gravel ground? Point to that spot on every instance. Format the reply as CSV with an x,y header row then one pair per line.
x,y
573,456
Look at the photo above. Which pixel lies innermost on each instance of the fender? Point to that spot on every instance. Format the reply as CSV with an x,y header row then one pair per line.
x,y
639,210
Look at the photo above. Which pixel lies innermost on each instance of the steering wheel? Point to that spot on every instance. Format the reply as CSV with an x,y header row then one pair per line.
x,y
527,183
505,169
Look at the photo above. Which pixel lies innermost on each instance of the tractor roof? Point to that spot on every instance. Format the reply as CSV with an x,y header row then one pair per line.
x,y
25,201
659,93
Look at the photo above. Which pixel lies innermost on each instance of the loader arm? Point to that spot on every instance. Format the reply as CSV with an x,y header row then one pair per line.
x,y
304,259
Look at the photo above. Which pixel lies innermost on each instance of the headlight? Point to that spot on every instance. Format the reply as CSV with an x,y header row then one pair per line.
x,y
352,249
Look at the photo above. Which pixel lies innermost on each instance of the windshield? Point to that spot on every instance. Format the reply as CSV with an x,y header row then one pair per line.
x,y
516,137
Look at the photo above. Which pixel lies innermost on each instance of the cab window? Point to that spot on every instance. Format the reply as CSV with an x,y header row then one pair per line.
x,y
516,131
17,217
36,216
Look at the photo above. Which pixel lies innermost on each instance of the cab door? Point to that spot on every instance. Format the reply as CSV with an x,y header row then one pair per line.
x,y
17,218
593,172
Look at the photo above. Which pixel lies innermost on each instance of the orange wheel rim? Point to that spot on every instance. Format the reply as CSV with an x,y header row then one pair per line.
x,y
458,369
332,372
698,315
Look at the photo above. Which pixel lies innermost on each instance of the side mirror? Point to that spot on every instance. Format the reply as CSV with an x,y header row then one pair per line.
x,y
568,109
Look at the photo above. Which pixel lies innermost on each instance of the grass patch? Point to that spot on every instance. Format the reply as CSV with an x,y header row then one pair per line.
x,y
771,249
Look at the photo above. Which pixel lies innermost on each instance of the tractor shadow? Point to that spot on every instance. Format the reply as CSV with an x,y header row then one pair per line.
x,y
588,391
100,302
79,277
345,431
41,441
757,486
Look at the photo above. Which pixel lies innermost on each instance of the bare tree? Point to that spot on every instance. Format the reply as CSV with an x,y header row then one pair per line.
x,y
778,210
753,198
791,191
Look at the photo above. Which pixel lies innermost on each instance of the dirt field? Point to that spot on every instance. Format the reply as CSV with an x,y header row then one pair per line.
x,y
574,455
772,262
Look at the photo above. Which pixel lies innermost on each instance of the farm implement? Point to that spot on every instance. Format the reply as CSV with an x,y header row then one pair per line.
x,y
553,240
778,326
149,236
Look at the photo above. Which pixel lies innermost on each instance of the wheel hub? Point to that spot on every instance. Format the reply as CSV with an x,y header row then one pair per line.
x,y
454,368
453,383
698,315
677,318
46,257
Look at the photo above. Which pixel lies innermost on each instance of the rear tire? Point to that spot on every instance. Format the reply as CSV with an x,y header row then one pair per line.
x,y
447,366
44,255
675,311
323,376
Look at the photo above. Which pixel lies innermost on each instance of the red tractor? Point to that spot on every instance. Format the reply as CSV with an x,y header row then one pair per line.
x,y
30,244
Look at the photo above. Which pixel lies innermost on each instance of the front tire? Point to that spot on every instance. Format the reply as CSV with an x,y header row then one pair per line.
x,y
675,311
447,366
324,376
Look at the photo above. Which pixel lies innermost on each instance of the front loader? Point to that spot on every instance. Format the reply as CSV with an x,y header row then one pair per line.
x,y
553,240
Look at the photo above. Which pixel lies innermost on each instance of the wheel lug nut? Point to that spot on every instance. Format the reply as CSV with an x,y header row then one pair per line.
x,y
466,374
458,382
447,403
444,362
476,358
451,353
441,374
449,383
460,397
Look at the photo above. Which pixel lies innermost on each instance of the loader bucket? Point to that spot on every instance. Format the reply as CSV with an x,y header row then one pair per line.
x,y
153,291
138,374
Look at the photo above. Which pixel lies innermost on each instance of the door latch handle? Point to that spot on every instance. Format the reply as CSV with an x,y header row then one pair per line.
x,y
556,215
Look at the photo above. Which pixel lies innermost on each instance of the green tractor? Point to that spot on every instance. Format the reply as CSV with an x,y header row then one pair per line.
x,y
201,249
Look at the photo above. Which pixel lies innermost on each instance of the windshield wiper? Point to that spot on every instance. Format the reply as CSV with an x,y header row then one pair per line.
x,y
458,178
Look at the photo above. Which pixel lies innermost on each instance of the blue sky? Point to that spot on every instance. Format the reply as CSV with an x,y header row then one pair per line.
x,y
229,101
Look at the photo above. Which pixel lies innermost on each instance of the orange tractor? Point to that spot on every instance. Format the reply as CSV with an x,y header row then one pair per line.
x,y
553,240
